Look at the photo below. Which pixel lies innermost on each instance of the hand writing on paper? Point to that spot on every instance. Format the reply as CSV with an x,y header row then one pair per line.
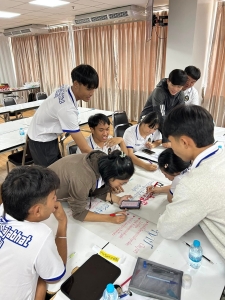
x,y
59,212
150,167
152,189
149,145
120,217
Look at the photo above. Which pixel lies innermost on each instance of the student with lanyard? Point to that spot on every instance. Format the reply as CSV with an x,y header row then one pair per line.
x,y
190,92
59,113
199,196
100,139
93,175
30,254
141,136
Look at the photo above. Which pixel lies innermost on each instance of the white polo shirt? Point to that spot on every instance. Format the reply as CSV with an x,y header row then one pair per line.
x,y
133,139
57,114
94,146
27,251
191,96
177,180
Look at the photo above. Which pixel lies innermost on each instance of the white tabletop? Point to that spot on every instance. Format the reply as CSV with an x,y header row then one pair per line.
x,y
21,107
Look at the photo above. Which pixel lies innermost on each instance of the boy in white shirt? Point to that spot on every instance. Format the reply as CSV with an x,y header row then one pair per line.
x,y
199,196
100,139
190,92
59,113
141,136
30,255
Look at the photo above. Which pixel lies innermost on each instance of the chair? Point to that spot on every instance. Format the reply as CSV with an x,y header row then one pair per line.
x,y
120,129
119,118
20,158
41,96
17,114
71,148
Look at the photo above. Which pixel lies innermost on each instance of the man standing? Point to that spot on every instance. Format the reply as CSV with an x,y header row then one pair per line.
x,y
59,113
190,92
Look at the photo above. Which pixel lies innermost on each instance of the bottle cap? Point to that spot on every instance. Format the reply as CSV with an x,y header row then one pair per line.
x,y
110,288
186,281
196,243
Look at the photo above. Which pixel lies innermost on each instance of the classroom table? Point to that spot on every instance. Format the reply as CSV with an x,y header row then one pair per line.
x,y
20,107
9,132
18,89
85,238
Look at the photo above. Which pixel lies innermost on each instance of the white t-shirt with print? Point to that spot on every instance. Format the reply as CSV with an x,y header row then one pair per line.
x,y
134,140
57,114
94,146
27,251
191,96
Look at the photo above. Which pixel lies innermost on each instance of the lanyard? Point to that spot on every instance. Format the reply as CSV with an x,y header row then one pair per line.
x,y
91,143
210,154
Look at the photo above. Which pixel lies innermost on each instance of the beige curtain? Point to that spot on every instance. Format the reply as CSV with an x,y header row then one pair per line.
x,y
214,99
128,67
54,59
26,59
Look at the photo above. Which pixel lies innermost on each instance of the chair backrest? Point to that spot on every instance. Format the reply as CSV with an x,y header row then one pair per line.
x,y
120,129
41,96
119,117
71,148
9,101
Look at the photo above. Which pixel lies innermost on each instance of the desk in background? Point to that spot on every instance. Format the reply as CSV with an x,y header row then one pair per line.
x,y
21,107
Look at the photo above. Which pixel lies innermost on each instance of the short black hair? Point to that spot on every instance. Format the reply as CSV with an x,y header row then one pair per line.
x,y
86,75
191,120
94,120
152,119
116,165
26,186
193,72
178,77
170,163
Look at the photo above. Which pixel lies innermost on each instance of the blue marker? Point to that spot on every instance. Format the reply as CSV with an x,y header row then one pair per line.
x,y
165,280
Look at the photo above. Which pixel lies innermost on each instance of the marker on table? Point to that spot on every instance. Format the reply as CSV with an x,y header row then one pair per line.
x,y
202,255
165,280
115,215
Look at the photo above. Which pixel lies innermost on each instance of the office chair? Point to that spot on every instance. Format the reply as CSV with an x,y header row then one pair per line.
x,y
41,96
119,118
17,114
71,148
120,129
20,158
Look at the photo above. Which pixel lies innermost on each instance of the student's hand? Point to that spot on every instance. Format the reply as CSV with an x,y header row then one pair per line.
x,y
125,197
149,145
166,145
113,141
120,218
150,167
118,190
59,212
152,189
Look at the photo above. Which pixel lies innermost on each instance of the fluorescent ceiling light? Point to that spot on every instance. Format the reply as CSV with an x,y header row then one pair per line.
x,y
49,3
5,14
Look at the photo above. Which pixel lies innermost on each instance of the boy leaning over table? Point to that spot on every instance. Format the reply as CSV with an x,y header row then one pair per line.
x,y
30,255
199,197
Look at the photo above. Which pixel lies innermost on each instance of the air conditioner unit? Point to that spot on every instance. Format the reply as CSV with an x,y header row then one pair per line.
x,y
32,29
122,14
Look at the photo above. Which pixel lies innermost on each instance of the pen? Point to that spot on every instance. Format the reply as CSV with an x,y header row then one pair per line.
x,y
202,255
115,215
128,279
165,280
150,161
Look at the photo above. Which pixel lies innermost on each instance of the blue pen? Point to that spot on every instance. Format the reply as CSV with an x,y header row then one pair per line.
x,y
165,280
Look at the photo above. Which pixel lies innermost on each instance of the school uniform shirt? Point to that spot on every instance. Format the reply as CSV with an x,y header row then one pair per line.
x,y
27,251
177,180
199,199
191,96
94,146
134,140
57,114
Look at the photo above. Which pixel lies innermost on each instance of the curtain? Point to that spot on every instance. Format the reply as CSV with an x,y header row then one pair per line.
x,y
214,99
6,67
54,59
128,67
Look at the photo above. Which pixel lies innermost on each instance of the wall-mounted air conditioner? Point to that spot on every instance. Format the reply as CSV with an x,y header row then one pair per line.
x,y
32,29
122,14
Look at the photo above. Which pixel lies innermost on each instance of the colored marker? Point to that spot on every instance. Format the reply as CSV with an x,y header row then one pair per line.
x,y
115,215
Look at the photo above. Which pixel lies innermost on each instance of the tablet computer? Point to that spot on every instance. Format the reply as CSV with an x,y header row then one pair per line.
x,y
91,279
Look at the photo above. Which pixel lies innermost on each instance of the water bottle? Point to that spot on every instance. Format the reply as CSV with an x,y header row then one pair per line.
x,y
195,255
22,132
110,293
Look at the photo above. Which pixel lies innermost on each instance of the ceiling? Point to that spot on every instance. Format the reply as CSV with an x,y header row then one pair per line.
x,y
33,14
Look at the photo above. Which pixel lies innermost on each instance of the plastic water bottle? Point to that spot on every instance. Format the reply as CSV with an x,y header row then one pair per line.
x,y
110,293
22,132
195,255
